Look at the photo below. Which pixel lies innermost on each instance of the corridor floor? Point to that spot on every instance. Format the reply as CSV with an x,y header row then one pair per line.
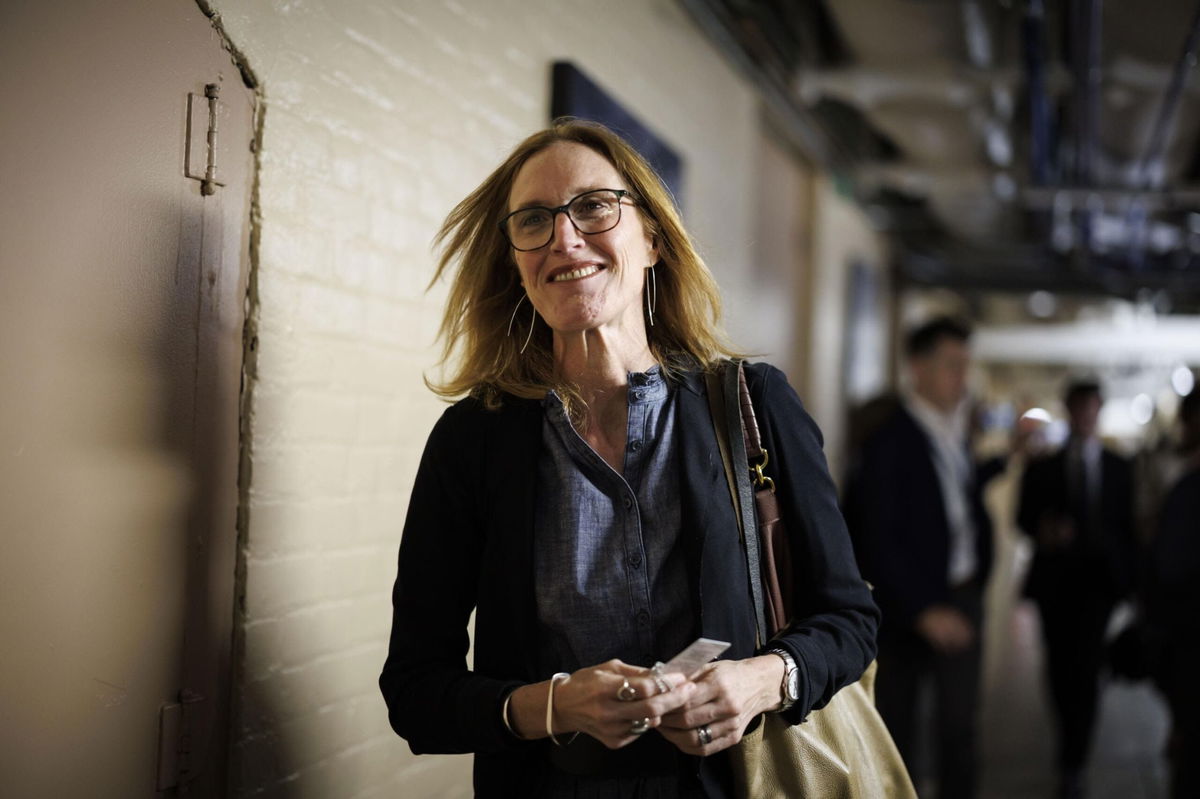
x,y
1018,740
1018,754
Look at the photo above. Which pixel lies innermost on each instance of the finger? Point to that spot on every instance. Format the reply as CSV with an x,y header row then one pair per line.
x,y
627,669
648,687
721,736
624,731
656,706
662,680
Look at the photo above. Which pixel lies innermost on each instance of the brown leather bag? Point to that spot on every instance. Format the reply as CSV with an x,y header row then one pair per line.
x,y
843,750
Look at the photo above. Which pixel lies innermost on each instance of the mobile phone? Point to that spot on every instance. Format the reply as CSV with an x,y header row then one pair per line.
x,y
695,655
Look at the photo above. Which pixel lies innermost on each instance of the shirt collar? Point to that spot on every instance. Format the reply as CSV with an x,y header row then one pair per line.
x,y
937,421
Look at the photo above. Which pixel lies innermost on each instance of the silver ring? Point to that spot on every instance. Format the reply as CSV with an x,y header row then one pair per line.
x,y
639,726
705,734
659,673
626,693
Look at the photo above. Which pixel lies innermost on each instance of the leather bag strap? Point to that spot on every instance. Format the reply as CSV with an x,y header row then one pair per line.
x,y
725,406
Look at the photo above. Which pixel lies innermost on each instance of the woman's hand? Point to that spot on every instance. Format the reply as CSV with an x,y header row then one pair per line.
x,y
729,693
590,701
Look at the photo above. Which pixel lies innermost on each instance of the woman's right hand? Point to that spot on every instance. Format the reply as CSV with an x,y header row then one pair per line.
x,y
588,702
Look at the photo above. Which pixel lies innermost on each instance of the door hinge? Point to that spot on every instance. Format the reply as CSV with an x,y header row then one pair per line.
x,y
175,765
202,116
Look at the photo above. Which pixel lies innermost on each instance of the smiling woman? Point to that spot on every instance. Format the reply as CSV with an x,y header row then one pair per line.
x,y
576,502
489,288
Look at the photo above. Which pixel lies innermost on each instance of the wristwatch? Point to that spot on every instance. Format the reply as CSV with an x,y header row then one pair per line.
x,y
790,687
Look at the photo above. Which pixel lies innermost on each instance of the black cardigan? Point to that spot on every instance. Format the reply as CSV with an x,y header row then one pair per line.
x,y
468,545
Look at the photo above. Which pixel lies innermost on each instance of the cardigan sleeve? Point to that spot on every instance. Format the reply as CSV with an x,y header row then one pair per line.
x,y
434,701
832,633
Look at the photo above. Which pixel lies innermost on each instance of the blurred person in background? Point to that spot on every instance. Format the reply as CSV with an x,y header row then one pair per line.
x,y
1077,506
1171,606
1157,468
924,540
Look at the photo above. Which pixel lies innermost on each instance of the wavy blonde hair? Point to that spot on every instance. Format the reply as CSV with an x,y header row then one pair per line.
x,y
486,286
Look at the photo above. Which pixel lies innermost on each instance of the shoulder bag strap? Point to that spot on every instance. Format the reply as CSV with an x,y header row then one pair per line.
x,y
725,407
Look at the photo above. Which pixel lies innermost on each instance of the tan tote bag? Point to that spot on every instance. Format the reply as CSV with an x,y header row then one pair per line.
x,y
843,750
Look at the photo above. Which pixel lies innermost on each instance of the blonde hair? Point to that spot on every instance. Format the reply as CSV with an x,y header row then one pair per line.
x,y
486,286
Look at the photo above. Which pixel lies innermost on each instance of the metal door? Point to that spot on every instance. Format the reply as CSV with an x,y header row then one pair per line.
x,y
122,293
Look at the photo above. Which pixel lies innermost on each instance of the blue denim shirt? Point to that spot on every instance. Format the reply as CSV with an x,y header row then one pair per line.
x,y
610,576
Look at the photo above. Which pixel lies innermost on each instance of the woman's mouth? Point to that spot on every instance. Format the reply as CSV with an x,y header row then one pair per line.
x,y
575,274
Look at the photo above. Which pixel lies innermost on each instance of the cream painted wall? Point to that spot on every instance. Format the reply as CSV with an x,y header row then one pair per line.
x,y
843,235
379,116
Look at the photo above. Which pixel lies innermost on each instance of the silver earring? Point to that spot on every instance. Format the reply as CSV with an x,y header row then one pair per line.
x,y
532,321
652,295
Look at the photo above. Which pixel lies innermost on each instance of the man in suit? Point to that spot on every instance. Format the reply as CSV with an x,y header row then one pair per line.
x,y
923,539
1171,605
1077,505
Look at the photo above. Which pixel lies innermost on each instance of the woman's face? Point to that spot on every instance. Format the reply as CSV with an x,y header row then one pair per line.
x,y
582,282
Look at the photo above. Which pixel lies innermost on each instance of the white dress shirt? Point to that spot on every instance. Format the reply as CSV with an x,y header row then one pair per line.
x,y
952,461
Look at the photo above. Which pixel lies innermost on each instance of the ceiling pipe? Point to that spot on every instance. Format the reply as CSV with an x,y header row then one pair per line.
x,y
1085,57
1150,172
802,129
1033,50
1085,62
980,52
1182,198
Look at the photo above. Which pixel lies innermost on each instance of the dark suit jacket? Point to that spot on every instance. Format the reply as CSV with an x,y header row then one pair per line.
x,y
468,543
897,518
1101,561
1171,593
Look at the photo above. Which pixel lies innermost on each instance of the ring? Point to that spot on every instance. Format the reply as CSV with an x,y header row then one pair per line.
x,y
627,693
658,673
639,726
705,734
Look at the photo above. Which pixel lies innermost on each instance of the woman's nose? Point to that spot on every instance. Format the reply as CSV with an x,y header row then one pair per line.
x,y
566,235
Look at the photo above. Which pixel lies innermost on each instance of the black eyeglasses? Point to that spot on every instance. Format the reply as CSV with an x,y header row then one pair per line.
x,y
594,211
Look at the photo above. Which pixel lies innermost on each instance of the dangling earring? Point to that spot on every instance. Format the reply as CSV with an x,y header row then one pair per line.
x,y
651,295
532,321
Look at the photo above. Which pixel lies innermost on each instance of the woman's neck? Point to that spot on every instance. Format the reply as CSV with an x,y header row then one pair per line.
x,y
599,362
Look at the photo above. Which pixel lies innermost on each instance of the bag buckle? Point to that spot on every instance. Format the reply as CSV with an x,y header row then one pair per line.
x,y
761,479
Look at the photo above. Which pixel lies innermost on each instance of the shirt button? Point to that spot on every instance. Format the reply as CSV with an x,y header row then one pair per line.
x,y
639,395
643,618
628,502
635,445
635,560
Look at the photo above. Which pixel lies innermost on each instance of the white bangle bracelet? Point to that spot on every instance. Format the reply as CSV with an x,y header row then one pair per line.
x,y
504,716
562,676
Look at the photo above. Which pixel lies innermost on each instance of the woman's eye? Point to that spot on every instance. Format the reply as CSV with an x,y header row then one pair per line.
x,y
592,207
532,219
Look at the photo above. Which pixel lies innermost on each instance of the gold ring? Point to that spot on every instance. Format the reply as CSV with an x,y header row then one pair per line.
x,y
639,726
626,693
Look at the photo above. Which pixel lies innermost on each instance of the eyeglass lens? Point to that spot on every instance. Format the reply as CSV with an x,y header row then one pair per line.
x,y
591,212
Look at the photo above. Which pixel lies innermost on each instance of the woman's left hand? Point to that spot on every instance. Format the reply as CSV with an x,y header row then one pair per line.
x,y
729,693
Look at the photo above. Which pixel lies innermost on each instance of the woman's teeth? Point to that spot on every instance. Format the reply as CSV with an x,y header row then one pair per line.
x,y
576,274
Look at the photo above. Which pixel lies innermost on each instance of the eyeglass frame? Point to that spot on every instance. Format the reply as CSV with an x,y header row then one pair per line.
x,y
564,209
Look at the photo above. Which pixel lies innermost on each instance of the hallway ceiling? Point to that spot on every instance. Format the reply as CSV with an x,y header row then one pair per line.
x,y
1000,144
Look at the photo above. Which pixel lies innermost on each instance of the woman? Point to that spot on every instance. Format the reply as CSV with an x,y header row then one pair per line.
x,y
576,502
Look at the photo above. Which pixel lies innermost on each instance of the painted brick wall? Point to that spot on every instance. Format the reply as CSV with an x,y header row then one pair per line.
x,y
379,116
